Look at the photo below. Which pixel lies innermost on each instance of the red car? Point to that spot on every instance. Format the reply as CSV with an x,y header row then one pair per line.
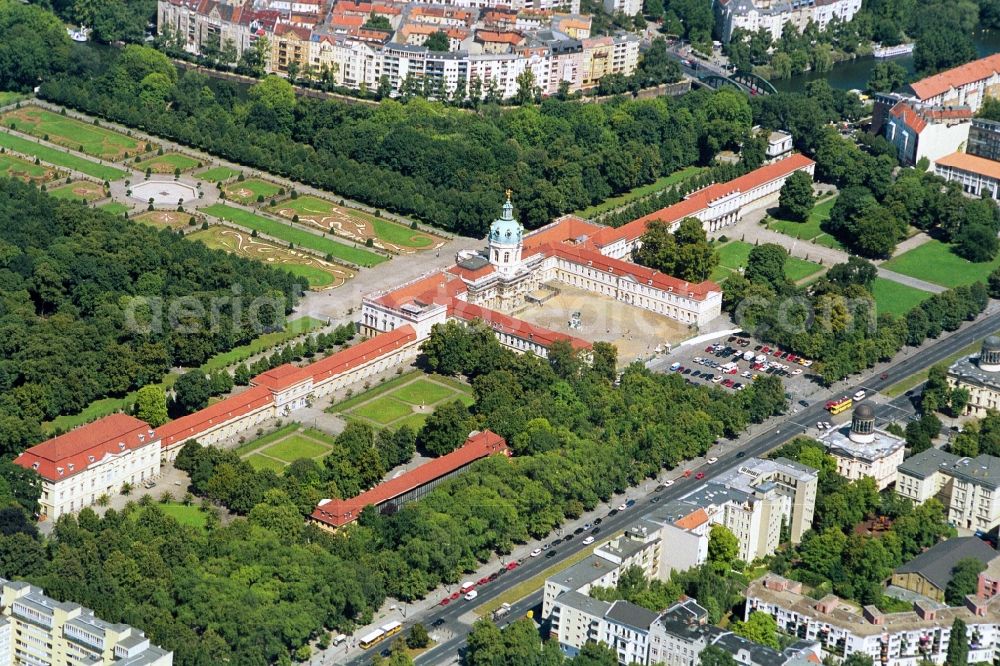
x,y
728,383
483,580
455,595
766,349
512,566
709,349
687,473
699,475
445,601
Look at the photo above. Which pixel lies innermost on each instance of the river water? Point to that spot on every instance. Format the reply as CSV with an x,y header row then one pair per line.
x,y
851,74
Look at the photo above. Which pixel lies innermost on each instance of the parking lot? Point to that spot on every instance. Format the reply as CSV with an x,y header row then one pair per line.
x,y
734,363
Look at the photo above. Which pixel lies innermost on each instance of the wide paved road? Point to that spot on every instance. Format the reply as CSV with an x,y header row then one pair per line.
x,y
783,429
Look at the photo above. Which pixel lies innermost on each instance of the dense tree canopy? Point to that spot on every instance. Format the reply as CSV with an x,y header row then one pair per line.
x,y
33,45
445,166
92,305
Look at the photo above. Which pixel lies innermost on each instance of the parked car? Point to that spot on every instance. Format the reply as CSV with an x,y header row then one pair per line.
x,y
630,503
589,540
596,530
622,506
699,476
551,553
445,601
668,482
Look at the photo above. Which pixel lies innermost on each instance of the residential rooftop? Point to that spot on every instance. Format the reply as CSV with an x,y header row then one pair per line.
x,y
936,563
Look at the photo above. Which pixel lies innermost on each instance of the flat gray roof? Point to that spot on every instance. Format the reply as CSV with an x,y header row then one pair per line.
x,y
583,572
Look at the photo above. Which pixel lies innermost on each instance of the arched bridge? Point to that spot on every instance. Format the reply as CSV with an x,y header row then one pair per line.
x,y
745,81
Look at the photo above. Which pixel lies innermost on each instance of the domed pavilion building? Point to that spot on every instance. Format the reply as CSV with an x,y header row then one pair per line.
x,y
980,376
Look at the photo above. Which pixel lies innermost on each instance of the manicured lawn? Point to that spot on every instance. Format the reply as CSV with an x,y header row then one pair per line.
x,y
115,208
259,461
351,222
167,162
319,273
72,133
81,190
383,410
415,421
290,234
192,516
361,398
798,269
217,174
249,190
734,254
423,392
59,158
264,440
15,167
895,297
296,447
810,229
8,97
661,183
935,262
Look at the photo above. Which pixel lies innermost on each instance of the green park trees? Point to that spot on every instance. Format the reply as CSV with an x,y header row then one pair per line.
x,y
958,644
963,582
151,405
685,254
759,628
446,429
33,45
796,198
723,546
438,41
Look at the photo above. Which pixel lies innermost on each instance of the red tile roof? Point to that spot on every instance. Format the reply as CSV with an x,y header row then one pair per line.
x,y
957,77
280,378
437,287
972,164
470,274
700,200
592,258
511,326
692,520
338,512
284,29
496,37
566,229
918,119
74,451
908,116
359,354
192,426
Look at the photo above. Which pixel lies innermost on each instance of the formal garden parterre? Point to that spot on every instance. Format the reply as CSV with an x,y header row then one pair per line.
x,y
74,134
405,400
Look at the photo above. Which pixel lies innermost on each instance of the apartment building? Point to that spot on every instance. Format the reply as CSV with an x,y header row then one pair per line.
x,y
487,50
37,630
890,639
674,637
926,131
627,7
929,573
772,15
965,85
862,450
977,176
96,459
968,487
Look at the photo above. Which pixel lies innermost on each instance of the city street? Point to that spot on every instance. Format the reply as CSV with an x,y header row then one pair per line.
x,y
458,617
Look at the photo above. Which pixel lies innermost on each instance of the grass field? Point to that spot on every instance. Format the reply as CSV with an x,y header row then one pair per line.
x,y
734,254
248,190
405,400
810,229
895,297
661,183
115,208
320,274
290,234
8,97
935,262
167,163
80,190
355,224
217,174
192,516
282,447
12,166
59,158
72,133
105,406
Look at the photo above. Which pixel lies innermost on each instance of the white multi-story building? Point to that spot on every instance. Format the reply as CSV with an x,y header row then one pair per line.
x,y
968,487
980,376
891,639
627,7
965,85
93,460
862,450
921,131
36,630
772,15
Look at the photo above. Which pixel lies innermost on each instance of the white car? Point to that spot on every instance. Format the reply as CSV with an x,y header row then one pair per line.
x,y
747,374
860,395
536,552
589,540
712,460
820,425
668,482
622,506
716,379
471,595
797,371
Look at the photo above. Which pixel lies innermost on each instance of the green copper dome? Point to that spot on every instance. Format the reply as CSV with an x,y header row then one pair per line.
x,y
506,229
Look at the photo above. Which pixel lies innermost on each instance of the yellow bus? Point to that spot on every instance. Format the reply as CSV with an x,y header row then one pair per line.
x,y
391,629
371,638
840,406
